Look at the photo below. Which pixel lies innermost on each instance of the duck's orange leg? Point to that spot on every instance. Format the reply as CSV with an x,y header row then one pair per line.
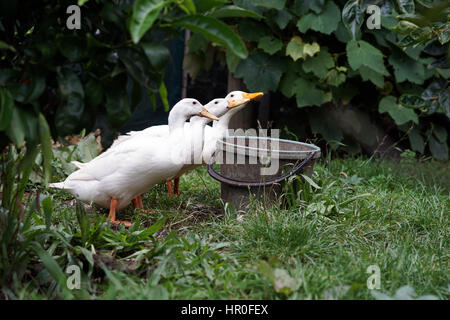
x,y
137,203
169,187
176,188
112,214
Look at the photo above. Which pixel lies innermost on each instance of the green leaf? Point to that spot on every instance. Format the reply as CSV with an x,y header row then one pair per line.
x,y
261,72
320,64
270,45
117,103
187,6
47,208
440,133
325,22
145,12
308,95
46,147
138,67
5,46
287,84
406,69
23,126
406,6
94,92
269,4
71,47
206,5
232,60
400,114
6,108
416,140
353,17
197,43
310,182
36,87
406,28
16,129
157,54
164,97
369,74
335,78
412,101
215,31
252,30
282,18
69,113
51,265
362,53
439,150
304,6
296,49
232,11
193,63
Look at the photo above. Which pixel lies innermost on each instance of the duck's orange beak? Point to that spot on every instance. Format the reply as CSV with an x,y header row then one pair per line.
x,y
252,96
206,114
236,103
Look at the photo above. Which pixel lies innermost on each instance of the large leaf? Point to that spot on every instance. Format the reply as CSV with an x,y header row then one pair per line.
x,y
261,72
118,103
369,74
215,31
326,21
438,149
69,113
233,11
397,112
138,67
319,64
23,126
145,12
406,68
72,47
416,140
270,4
307,94
270,45
362,53
157,54
297,49
46,147
406,6
353,17
6,108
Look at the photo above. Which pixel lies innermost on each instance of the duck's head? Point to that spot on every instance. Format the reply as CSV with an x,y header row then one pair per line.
x,y
219,107
191,107
239,95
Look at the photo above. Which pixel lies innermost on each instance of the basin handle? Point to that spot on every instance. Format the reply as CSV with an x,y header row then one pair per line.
x,y
243,183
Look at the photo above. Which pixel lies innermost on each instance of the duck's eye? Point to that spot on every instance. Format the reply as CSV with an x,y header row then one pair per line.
x,y
193,102
216,102
232,95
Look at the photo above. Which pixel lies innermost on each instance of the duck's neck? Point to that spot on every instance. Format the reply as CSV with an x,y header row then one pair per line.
x,y
224,121
197,129
176,125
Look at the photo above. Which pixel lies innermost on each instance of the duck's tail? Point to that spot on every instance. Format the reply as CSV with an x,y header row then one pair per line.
x,y
57,185
78,164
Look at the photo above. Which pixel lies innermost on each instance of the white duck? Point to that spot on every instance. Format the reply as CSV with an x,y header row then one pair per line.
x,y
211,134
194,131
119,175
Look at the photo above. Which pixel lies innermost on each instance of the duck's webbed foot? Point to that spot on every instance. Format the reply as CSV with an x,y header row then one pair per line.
x,y
112,214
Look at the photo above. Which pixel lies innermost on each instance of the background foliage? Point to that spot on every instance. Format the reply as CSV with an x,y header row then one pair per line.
x,y
322,52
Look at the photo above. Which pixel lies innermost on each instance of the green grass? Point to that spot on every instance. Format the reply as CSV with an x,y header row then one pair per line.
x,y
318,245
